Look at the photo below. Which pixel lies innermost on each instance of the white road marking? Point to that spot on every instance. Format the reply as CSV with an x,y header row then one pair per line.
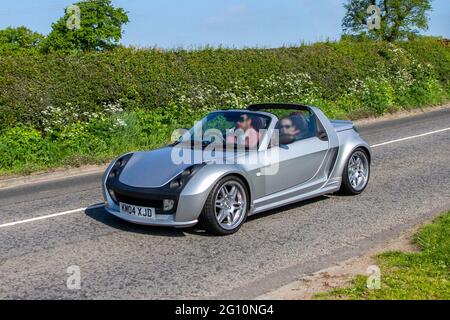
x,y
409,138
101,205
9,224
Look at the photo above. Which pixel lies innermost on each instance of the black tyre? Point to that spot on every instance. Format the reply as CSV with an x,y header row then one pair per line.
x,y
226,207
356,173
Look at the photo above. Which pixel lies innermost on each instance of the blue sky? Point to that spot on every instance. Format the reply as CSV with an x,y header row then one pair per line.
x,y
232,23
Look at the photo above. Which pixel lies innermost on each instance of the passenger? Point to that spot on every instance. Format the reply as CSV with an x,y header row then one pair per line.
x,y
287,127
295,125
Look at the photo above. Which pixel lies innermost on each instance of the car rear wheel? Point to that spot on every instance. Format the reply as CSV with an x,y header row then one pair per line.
x,y
356,173
226,208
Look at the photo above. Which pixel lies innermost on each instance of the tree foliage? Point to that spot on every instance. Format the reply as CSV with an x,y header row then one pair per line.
x,y
400,19
100,28
17,39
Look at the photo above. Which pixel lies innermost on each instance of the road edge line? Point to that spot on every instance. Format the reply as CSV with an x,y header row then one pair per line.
x,y
48,216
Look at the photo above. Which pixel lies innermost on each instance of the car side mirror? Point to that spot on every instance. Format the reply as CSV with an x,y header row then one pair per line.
x,y
177,136
322,135
286,139
182,131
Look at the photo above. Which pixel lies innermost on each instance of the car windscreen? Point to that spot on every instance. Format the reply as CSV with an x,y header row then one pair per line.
x,y
222,125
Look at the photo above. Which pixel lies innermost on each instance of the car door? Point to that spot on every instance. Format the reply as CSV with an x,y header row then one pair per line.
x,y
297,163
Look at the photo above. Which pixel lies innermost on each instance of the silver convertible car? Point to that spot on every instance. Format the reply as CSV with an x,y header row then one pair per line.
x,y
236,163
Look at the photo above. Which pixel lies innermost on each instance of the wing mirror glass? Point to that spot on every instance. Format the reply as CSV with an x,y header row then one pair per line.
x,y
286,139
322,135
177,135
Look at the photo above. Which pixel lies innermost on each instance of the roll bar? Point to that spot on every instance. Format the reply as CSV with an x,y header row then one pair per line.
x,y
262,106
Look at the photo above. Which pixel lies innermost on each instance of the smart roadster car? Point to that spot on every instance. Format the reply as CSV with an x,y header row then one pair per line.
x,y
236,163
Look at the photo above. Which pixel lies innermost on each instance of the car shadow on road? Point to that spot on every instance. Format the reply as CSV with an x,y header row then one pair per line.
x,y
101,215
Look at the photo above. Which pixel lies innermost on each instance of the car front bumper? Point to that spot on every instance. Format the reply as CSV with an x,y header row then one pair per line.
x,y
189,200
163,220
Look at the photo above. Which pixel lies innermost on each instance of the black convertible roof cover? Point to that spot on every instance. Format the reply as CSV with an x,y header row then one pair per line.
x,y
276,105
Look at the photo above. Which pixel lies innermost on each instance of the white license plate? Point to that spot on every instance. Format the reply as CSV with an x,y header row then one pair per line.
x,y
137,211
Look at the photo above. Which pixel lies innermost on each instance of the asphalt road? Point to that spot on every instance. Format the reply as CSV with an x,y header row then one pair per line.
x,y
410,183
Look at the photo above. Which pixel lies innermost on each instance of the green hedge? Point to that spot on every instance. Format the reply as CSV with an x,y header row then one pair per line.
x,y
58,110
345,78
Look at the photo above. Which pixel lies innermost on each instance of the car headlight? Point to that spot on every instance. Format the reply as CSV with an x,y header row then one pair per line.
x,y
177,183
112,195
119,165
183,177
114,173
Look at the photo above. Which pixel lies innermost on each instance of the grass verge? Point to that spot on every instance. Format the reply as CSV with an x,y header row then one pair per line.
x,y
408,276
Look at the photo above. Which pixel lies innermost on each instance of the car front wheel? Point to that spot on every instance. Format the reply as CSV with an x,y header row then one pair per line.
x,y
226,208
356,173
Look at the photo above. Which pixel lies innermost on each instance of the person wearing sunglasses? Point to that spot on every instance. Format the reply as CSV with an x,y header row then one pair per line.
x,y
245,133
287,127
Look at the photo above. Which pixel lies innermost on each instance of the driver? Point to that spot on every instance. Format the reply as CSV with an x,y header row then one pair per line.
x,y
245,133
